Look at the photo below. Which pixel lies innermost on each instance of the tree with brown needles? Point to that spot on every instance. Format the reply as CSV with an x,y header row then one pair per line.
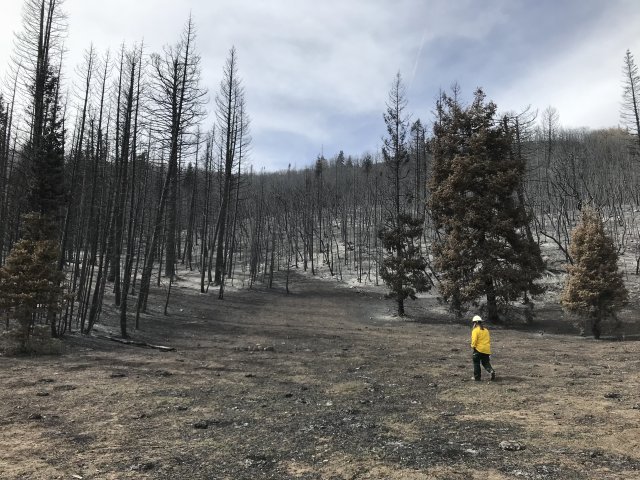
x,y
594,286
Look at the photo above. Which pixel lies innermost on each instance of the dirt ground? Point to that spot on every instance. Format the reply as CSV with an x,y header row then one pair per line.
x,y
320,384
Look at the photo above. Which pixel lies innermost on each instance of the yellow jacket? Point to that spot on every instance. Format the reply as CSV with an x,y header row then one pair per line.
x,y
480,340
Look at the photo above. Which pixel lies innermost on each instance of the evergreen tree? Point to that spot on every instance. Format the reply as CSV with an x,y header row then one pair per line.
x,y
594,286
403,269
482,248
47,159
30,282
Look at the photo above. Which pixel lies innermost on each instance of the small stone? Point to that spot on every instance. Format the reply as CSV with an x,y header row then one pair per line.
x,y
448,414
35,416
42,394
612,395
142,467
118,375
636,406
201,425
511,445
433,385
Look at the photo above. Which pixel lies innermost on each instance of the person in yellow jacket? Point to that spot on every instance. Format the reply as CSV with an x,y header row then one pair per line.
x,y
481,344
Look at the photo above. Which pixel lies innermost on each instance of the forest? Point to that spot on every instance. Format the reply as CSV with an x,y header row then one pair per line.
x,y
171,311
119,185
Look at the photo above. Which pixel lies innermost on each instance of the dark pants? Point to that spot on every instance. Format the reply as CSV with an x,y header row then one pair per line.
x,y
481,358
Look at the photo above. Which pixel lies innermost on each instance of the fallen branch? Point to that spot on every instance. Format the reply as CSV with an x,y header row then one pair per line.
x,y
139,344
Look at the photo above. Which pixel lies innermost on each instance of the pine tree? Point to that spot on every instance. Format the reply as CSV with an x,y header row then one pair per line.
x,y
30,282
403,269
594,287
47,158
482,248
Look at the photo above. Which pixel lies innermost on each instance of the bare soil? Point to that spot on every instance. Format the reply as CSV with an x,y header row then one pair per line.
x,y
322,383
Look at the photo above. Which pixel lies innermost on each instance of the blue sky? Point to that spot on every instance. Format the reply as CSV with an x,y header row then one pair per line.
x,y
317,74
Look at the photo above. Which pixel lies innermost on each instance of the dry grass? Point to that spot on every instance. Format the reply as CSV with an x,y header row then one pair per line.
x,y
345,392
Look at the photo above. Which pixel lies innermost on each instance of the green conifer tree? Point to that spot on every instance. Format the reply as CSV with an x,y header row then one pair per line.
x,y
403,269
482,248
30,282
46,180
594,286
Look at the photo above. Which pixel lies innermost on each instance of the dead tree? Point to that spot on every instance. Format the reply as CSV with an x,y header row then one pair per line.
x,y
231,123
177,107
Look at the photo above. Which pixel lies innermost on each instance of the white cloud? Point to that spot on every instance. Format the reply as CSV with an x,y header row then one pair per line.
x,y
581,79
320,71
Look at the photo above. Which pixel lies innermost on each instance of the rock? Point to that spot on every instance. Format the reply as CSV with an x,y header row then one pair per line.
x,y
433,385
448,414
142,467
201,425
42,394
511,445
612,395
118,375
34,416
636,406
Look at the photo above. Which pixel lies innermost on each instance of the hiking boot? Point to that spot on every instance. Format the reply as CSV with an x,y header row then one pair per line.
x,y
493,375
475,379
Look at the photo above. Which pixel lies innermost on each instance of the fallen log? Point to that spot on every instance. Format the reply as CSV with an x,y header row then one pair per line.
x,y
139,344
